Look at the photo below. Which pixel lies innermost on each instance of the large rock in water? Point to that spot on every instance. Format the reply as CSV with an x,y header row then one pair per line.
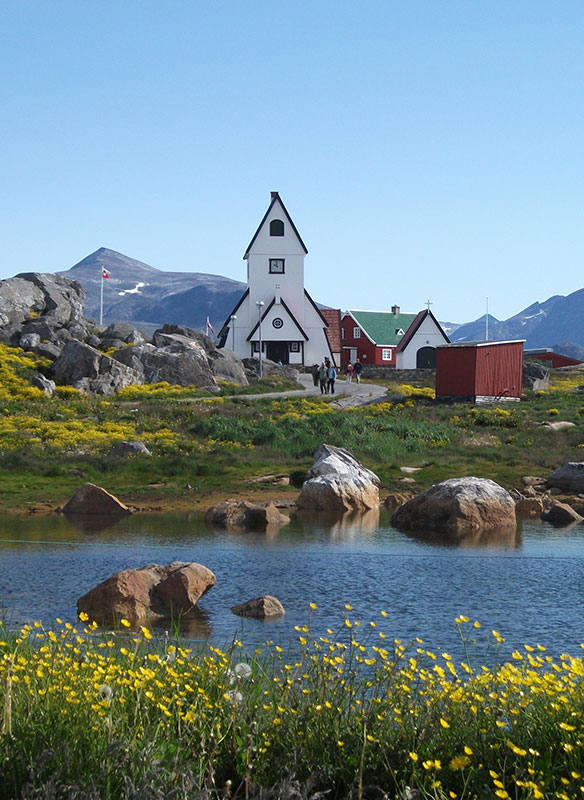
x,y
569,477
146,594
246,515
265,607
457,506
92,499
338,482
90,371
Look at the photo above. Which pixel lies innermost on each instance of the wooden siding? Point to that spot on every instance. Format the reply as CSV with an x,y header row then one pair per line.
x,y
485,369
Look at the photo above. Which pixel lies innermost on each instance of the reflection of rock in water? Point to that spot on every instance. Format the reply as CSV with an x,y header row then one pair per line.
x,y
195,625
94,523
509,538
343,525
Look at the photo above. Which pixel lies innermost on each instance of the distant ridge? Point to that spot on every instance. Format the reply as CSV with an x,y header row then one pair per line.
x,y
148,297
558,319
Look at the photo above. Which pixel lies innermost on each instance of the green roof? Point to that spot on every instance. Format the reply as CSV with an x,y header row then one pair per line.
x,y
382,326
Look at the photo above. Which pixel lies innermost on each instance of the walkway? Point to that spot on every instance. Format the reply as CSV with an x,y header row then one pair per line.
x,y
346,394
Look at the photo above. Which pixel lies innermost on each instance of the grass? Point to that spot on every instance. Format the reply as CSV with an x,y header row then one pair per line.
x,y
48,446
348,712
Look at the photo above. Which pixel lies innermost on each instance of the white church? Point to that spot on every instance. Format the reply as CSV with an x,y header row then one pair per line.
x,y
276,314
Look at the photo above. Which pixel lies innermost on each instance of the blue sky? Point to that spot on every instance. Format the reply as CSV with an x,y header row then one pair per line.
x,y
425,150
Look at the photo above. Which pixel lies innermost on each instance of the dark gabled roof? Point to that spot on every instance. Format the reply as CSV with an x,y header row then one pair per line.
x,y
239,302
275,196
411,331
290,314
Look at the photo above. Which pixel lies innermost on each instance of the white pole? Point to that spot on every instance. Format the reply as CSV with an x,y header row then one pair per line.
x,y
101,301
487,323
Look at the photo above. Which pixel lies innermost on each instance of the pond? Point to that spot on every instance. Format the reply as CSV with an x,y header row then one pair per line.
x,y
527,585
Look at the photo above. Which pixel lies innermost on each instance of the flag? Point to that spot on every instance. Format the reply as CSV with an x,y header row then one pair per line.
x,y
104,272
210,327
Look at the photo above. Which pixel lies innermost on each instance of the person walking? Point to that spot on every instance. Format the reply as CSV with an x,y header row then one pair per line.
x,y
315,371
358,369
349,372
322,377
331,377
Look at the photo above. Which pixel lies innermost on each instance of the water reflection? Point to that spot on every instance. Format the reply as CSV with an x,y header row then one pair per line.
x,y
506,538
350,524
194,625
94,523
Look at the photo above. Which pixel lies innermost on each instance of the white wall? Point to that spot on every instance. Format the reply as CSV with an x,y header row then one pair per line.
x,y
427,335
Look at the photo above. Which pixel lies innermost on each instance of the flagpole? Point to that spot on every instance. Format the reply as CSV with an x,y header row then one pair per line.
x,y
101,301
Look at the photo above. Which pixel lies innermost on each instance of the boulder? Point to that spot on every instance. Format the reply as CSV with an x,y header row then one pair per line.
x,y
338,482
529,507
569,476
188,333
246,515
228,367
532,480
184,584
126,449
124,332
263,607
559,425
63,298
92,499
91,371
561,514
149,593
269,369
536,376
19,298
29,341
458,505
174,359
44,384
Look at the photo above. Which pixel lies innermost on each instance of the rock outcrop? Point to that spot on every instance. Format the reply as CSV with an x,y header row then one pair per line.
x,y
245,515
536,376
457,506
147,594
91,371
92,499
264,607
127,449
569,476
338,482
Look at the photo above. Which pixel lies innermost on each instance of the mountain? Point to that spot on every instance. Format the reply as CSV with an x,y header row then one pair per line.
x,y
148,297
559,319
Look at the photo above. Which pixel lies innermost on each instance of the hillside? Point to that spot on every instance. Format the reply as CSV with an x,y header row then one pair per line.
x,y
147,297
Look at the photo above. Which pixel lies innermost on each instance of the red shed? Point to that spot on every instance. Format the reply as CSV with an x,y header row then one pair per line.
x,y
551,359
480,371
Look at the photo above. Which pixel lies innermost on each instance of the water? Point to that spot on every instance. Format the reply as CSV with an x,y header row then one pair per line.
x,y
528,585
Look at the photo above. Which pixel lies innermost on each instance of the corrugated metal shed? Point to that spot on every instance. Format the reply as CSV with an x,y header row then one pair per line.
x,y
480,370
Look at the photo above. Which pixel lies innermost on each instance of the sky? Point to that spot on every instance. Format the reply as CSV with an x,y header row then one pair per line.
x,y
426,150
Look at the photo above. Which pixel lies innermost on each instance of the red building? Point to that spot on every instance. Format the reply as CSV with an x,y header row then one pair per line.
x,y
480,371
551,359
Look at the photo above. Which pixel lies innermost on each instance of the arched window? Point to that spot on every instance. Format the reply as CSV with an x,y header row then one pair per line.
x,y
276,227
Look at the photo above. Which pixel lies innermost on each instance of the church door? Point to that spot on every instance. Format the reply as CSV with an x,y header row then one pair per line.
x,y
277,351
426,358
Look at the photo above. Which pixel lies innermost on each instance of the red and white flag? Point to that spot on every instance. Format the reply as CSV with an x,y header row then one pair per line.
x,y
210,327
104,273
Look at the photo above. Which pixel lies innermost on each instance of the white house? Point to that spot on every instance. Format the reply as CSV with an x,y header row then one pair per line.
x,y
275,311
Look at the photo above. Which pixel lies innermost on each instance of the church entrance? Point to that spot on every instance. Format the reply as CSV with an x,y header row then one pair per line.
x,y
277,351
426,358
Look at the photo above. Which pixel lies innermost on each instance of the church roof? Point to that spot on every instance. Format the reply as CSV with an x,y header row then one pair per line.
x,y
275,198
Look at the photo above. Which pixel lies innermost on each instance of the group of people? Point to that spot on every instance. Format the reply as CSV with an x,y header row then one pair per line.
x,y
325,375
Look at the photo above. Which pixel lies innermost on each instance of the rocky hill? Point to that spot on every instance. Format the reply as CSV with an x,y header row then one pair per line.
x,y
148,297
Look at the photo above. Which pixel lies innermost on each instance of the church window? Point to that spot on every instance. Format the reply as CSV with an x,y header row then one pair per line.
x,y
276,227
294,347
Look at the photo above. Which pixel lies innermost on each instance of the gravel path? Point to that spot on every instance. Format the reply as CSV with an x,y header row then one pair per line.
x,y
346,394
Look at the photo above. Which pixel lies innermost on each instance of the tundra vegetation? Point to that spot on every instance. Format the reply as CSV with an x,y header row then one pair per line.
x,y
216,444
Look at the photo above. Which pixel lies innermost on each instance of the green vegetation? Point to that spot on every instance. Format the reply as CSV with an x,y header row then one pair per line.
x,y
216,443
348,712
